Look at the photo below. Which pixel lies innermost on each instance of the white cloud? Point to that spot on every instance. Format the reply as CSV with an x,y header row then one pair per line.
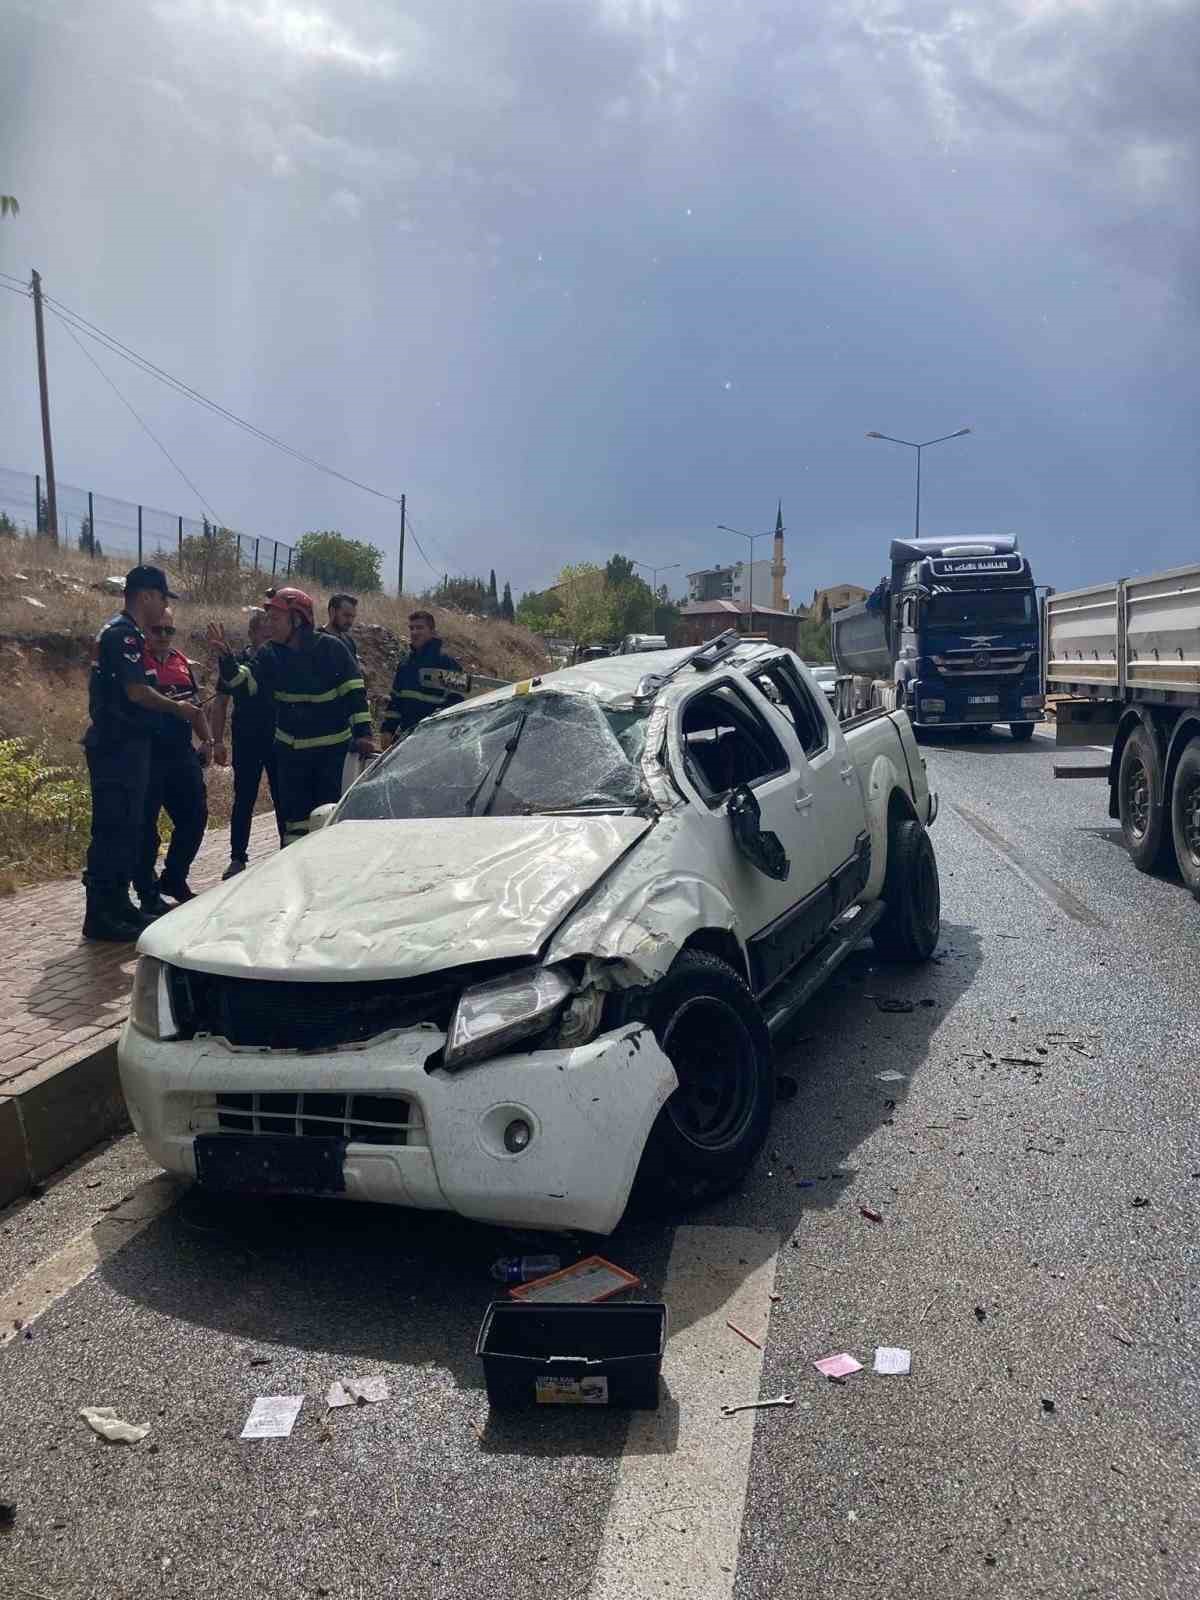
x,y
305,34
348,203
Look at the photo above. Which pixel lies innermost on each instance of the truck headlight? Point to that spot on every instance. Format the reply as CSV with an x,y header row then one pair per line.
x,y
490,1015
932,705
150,1008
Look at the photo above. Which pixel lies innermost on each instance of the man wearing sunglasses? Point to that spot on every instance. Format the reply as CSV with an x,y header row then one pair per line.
x,y
176,776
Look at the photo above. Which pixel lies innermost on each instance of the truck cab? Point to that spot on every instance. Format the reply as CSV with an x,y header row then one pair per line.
x,y
951,636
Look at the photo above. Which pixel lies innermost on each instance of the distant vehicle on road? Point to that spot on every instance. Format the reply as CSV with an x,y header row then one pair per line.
x,y
541,947
635,644
825,679
1125,658
951,637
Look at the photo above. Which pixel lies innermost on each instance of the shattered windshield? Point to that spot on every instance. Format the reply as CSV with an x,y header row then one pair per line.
x,y
524,755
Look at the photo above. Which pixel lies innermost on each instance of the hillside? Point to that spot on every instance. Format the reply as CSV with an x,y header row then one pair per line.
x,y
50,612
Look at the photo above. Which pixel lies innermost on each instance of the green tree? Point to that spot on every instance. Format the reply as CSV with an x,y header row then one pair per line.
x,y
618,571
339,562
8,530
814,640
8,205
208,563
493,597
461,594
506,604
584,603
539,612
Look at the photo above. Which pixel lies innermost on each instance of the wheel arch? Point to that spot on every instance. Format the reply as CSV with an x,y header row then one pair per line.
x,y
722,943
887,803
1182,734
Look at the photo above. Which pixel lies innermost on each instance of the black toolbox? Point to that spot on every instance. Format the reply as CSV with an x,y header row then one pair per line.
x,y
563,1355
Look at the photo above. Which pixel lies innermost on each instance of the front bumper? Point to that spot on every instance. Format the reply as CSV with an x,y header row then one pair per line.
x,y
590,1111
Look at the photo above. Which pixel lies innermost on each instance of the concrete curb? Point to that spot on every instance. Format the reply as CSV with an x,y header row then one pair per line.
x,y
56,1111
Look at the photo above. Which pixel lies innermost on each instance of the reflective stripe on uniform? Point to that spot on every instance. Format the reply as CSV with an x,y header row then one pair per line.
x,y
242,675
341,737
415,694
350,685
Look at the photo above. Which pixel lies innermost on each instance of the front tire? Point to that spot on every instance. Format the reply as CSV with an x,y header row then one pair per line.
x,y
706,1137
1140,801
910,927
1021,731
1185,815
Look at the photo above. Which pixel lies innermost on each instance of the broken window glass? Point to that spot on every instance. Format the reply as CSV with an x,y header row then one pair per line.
x,y
518,757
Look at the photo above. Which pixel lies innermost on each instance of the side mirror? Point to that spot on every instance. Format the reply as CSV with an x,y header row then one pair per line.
x,y
762,849
320,816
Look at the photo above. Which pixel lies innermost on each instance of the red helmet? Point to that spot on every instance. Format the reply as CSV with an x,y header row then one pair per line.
x,y
290,600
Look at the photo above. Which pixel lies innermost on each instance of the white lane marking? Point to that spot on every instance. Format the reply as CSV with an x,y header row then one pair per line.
x,y
675,1519
59,1273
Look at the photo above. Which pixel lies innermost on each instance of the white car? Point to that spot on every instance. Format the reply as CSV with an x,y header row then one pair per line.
x,y
826,680
540,948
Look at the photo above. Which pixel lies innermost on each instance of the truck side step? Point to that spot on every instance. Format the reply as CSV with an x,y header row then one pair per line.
x,y
1066,769
847,933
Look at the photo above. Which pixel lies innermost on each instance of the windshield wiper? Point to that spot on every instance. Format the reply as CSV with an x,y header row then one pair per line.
x,y
500,765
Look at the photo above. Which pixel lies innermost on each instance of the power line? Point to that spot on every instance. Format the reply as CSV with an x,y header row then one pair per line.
x,y
20,282
110,342
24,293
138,419
420,551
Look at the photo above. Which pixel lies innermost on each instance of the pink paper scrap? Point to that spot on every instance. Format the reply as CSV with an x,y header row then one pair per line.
x,y
840,1366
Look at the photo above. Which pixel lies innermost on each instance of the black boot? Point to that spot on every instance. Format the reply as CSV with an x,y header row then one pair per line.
x,y
106,917
151,903
179,892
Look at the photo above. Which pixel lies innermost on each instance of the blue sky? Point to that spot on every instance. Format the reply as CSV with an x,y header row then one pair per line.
x,y
593,275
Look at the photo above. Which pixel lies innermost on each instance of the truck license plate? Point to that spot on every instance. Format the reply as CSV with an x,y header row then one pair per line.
x,y
983,699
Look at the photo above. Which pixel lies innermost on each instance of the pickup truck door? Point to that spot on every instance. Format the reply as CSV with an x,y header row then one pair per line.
x,y
832,778
720,738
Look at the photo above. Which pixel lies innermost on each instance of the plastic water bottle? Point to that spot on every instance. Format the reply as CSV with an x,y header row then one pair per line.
x,y
524,1269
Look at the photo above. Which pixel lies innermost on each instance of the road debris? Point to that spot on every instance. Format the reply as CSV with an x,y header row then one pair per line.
x,y
871,1216
1140,1200
743,1335
524,1269
1047,1405
980,1313
758,1405
891,1077
260,1361
105,1421
1020,1061
272,1416
893,1361
357,1392
585,1282
839,1366
8,1513
887,1002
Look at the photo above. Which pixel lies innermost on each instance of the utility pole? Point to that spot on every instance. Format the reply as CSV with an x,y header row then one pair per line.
x,y
51,497
403,520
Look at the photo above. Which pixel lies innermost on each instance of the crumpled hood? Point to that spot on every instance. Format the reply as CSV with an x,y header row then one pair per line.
x,y
385,899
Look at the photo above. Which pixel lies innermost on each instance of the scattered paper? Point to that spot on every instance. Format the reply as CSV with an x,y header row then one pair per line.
x,y
840,1366
105,1421
273,1416
357,1391
891,1077
893,1361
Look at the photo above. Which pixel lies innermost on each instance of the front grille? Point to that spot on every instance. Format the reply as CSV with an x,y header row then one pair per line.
x,y
306,1016
361,1118
982,663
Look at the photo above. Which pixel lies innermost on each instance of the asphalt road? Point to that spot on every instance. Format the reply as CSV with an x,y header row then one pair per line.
x,y
1036,1169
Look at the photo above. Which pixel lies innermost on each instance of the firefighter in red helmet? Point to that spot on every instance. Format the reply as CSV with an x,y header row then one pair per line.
x,y
320,703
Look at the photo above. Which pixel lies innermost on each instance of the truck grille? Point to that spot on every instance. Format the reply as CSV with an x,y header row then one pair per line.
x,y
360,1118
305,1016
982,663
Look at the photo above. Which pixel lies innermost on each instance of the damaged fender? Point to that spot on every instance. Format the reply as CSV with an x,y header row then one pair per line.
x,y
877,792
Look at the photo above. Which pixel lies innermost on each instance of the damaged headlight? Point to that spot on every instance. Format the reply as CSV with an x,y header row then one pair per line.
x,y
150,1008
491,1015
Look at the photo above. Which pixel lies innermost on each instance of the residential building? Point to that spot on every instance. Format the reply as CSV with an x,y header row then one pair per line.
x,y
836,598
704,619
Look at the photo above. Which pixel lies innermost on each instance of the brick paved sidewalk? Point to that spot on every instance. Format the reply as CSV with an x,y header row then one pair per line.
x,y
60,992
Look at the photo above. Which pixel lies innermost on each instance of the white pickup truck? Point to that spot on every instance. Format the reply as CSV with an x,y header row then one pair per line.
x,y
541,948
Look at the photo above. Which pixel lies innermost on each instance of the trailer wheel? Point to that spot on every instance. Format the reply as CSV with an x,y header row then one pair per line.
x,y
707,1135
1021,731
910,927
1140,799
1185,815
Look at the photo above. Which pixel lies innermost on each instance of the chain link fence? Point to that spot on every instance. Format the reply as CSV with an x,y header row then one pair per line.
x,y
106,528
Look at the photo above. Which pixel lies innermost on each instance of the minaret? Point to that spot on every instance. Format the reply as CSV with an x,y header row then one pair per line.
x,y
778,565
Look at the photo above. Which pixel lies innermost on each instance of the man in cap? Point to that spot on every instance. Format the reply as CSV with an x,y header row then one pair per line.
x,y
320,704
252,745
123,705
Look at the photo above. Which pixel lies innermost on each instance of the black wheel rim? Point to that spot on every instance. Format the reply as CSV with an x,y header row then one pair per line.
x,y
1137,796
713,1054
1189,813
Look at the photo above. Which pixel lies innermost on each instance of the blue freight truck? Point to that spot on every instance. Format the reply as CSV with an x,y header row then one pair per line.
x,y
951,637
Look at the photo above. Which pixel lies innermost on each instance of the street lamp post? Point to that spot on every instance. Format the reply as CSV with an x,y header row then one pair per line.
x,y
918,448
752,537
654,587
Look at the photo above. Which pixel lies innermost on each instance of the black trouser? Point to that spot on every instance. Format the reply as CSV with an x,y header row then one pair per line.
x,y
176,786
119,775
306,779
251,758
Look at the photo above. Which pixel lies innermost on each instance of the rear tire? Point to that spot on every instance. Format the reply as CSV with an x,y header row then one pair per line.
x,y
1140,801
910,927
708,1134
1021,731
1185,815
